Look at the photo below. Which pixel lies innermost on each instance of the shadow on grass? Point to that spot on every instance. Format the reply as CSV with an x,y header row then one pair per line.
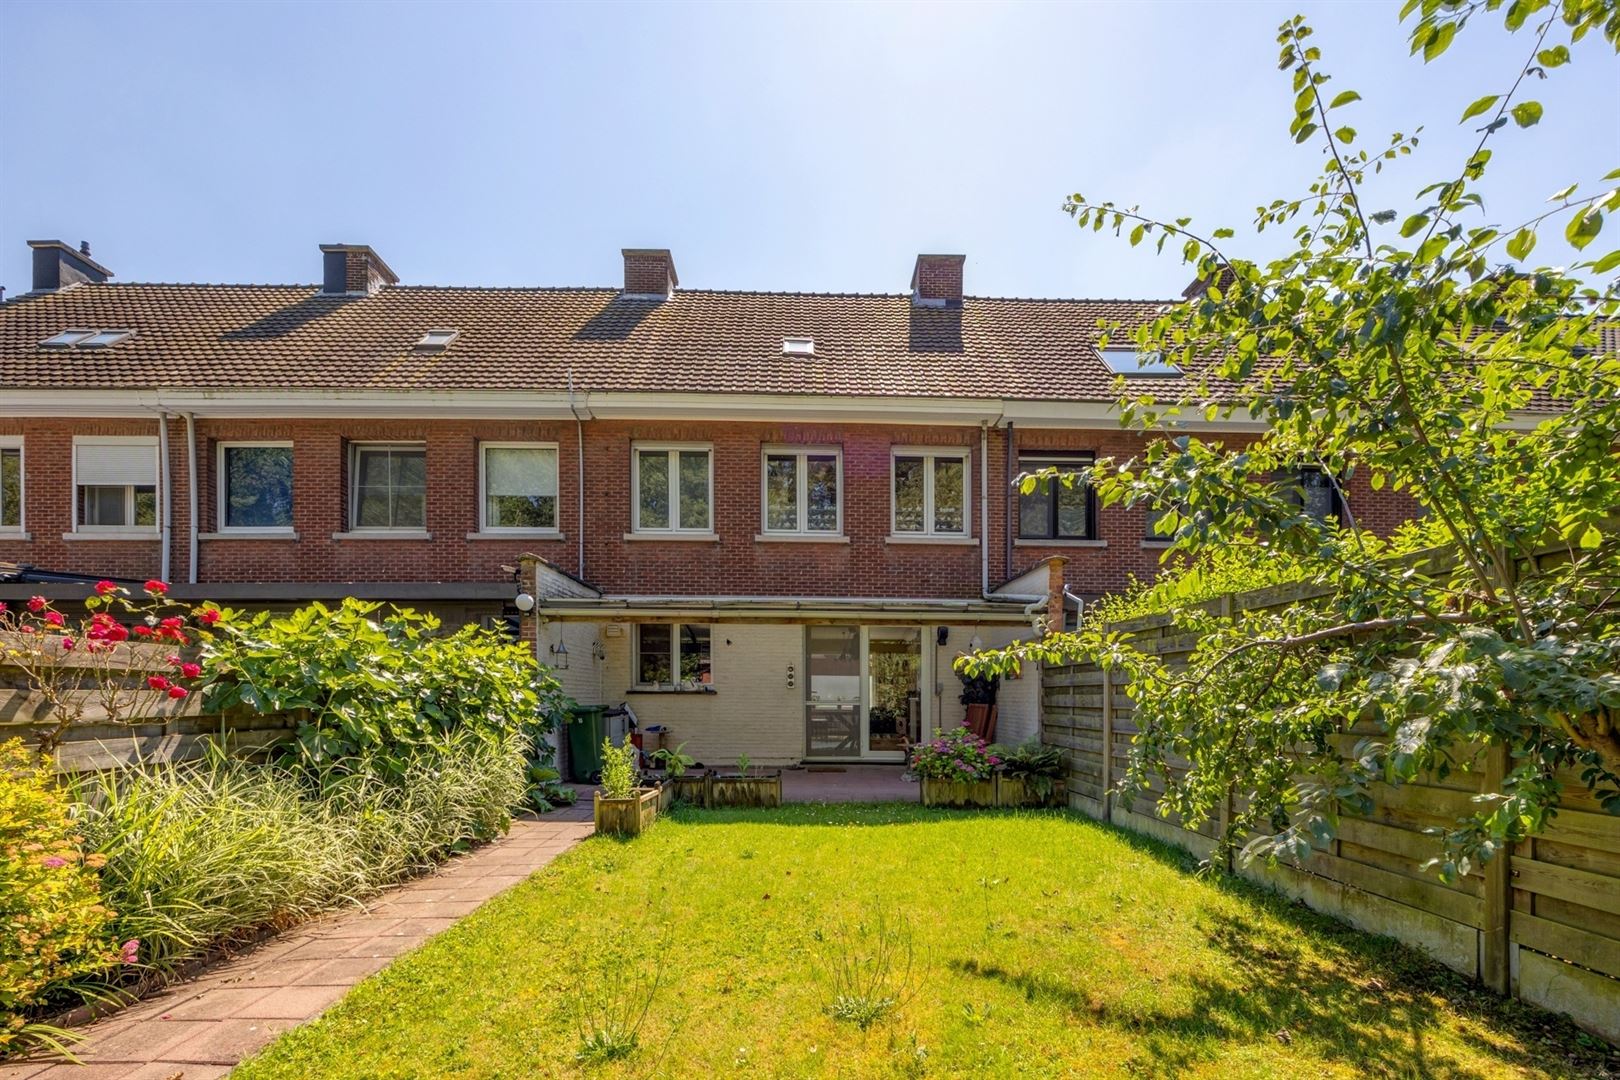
x,y
1361,999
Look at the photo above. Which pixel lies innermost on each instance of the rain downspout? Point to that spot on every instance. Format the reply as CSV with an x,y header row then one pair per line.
x,y
1032,602
165,514
1007,493
579,460
191,491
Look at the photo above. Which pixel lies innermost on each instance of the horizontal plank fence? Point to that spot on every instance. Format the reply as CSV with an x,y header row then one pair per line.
x,y
165,730
1541,922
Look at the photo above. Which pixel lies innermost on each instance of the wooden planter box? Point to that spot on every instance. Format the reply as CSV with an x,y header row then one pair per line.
x,y
999,790
981,793
627,817
763,790
666,795
690,788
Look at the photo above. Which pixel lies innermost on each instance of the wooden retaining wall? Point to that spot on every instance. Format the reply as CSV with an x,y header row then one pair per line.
x,y
1541,923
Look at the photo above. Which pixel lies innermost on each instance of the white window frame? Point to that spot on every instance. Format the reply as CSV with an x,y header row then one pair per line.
x,y
131,531
674,658
483,495
928,454
672,449
222,482
15,442
800,453
354,488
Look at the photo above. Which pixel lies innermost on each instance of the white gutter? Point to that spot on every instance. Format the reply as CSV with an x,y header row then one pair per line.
x,y
191,490
165,516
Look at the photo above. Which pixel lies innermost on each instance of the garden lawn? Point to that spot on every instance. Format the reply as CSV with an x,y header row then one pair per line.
x,y
1044,945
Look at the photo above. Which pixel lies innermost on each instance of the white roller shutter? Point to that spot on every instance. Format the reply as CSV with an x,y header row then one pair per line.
x,y
116,464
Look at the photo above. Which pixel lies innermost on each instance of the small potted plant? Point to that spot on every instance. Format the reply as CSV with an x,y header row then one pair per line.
x,y
623,807
956,769
677,784
1030,774
746,787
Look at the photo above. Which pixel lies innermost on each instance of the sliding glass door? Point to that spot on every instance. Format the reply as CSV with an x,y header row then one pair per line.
x,y
863,691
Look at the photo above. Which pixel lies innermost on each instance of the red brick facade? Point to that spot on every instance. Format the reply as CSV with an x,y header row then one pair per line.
x,y
736,563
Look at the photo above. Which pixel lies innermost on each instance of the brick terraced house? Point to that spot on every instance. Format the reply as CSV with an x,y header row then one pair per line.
x,y
768,520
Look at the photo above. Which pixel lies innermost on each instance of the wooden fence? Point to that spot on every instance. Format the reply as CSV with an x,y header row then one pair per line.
x,y
1541,923
166,730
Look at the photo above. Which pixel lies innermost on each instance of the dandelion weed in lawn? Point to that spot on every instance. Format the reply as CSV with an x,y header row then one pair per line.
x,y
870,968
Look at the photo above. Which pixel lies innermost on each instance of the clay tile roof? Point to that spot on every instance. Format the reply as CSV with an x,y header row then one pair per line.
x,y
291,337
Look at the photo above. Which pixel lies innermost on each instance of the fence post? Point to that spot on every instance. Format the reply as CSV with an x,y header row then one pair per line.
x,y
1498,905
1107,745
1224,819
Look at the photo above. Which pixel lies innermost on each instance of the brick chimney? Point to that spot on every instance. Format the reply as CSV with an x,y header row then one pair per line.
x,y
56,265
1054,594
937,280
649,272
354,270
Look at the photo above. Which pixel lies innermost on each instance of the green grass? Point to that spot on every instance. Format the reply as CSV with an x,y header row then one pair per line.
x,y
1042,945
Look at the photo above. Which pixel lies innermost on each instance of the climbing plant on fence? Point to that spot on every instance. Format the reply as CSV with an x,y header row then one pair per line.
x,y
1415,342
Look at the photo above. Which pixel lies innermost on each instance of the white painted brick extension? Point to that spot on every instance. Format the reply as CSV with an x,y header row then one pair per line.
x,y
752,709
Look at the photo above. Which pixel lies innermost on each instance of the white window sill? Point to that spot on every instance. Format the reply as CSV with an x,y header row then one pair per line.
x,y
1055,543
250,534
383,534
14,535
114,534
516,534
689,537
924,538
800,538
706,688
1157,545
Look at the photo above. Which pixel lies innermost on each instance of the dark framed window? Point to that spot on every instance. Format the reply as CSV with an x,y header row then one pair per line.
x,y
388,486
256,486
672,654
1316,492
1057,510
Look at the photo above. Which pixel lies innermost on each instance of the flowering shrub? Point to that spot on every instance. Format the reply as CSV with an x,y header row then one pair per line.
x,y
956,755
56,927
378,686
121,657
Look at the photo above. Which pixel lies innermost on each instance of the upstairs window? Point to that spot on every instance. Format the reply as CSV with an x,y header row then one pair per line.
x,y
436,340
388,486
11,495
85,339
801,492
672,654
519,486
115,483
255,486
1056,510
1132,363
930,493
672,485
1317,494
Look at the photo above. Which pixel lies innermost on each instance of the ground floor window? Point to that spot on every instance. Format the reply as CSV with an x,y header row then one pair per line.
x,y
673,655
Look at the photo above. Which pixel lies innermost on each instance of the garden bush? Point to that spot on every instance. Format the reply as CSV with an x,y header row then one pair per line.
x,y
203,851
57,929
956,755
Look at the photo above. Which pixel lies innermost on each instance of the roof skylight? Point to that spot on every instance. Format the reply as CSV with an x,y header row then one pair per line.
x,y
798,346
436,340
85,339
1132,363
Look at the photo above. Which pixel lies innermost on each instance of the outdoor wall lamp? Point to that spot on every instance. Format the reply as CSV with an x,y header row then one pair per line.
x,y
523,602
559,656
597,650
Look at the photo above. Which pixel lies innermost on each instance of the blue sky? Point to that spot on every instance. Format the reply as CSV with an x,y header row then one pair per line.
x,y
770,146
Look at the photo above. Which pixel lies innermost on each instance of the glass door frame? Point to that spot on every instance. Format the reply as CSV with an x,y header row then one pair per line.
x,y
925,685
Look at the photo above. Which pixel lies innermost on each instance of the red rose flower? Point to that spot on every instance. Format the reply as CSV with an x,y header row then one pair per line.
x,y
144,631
158,682
106,588
37,603
67,644
55,618
191,671
209,615
173,622
178,692
157,587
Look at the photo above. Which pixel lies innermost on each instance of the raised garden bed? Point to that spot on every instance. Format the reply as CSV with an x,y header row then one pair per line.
x,y
763,789
999,790
627,817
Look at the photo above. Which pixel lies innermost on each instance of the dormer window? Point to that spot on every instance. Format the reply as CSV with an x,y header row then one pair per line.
x,y
799,346
86,339
437,340
1132,363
